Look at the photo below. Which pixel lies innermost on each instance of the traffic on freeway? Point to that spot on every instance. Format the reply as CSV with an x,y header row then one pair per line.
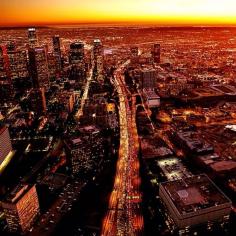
x,y
124,215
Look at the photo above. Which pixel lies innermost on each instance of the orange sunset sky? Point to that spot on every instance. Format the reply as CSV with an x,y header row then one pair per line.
x,y
163,12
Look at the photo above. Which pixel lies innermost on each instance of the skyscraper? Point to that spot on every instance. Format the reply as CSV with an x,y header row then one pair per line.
x,y
77,61
39,67
6,89
98,59
156,53
32,36
37,100
76,53
5,143
148,79
18,63
21,207
57,51
52,64
3,73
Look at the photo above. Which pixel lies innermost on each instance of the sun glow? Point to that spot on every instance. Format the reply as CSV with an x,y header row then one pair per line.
x,y
17,12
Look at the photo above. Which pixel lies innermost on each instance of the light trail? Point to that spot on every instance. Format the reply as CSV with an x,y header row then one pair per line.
x,y
85,94
124,216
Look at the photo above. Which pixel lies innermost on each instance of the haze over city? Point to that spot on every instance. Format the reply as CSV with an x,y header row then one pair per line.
x,y
162,12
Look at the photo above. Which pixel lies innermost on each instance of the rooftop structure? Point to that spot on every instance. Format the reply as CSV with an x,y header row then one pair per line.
x,y
55,180
154,148
209,94
173,168
21,208
192,143
194,200
152,99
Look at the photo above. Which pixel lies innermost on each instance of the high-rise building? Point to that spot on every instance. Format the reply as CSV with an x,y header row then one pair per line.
x,y
3,72
52,64
21,208
37,100
18,65
194,200
85,151
77,61
32,36
76,53
148,79
5,143
57,51
39,67
156,53
6,88
98,59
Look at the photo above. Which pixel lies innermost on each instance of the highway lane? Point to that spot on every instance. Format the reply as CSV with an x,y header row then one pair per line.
x,y
124,216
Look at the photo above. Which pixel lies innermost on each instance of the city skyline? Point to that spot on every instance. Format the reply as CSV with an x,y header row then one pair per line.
x,y
160,12
118,117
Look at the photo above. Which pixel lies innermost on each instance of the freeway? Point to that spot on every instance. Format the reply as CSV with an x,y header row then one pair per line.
x,y
124,215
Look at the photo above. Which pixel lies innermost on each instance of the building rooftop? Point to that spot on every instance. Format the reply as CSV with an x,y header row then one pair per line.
x,y
193,141
40,144
97,41
55,180
154,148
90,129
173,168
151,94
194,194
223,165
17,193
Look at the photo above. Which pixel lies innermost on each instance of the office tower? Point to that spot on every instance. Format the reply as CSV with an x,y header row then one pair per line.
x,y
3,73
57,51
194,200
134,52
98,59
85,151
156,53
5,143
76,53
6,88
148,79
76,59
18,68
52,65
37,100
21,208
151,98
39,67
79,153
32,36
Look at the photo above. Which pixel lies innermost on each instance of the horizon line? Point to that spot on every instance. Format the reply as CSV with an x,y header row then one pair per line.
x,y
122,23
